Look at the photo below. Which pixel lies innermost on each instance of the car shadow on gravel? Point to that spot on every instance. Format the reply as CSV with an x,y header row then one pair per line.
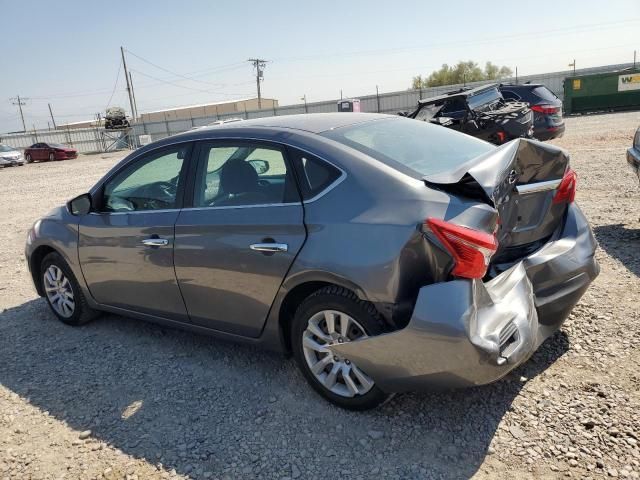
x,y
622,243
208,408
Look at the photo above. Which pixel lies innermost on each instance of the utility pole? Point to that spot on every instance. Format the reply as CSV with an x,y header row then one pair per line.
x,y
133,94
306,110
259,64
634,59
20,102
378,98
516,75
52,119
574,66
128,79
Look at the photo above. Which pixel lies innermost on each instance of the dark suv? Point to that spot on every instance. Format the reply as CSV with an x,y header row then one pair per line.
x,y
481,112
546,106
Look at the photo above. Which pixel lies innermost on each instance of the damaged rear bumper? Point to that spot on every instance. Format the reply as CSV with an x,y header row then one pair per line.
x,y
465,333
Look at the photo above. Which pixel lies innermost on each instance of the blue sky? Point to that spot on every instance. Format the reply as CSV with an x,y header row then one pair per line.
x,y
68,52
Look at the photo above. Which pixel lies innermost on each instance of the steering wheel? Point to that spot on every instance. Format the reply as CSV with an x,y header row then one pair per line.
x,y
168,188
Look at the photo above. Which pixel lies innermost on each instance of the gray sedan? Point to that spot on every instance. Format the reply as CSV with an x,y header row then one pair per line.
x,y
384,254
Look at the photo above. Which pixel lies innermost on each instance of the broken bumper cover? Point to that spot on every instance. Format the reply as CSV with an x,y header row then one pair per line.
x,y
465,333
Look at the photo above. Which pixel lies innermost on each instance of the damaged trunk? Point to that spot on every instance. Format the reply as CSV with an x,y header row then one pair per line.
x,y
521,180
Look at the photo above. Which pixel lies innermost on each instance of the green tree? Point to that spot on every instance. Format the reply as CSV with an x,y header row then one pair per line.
x,y
463,72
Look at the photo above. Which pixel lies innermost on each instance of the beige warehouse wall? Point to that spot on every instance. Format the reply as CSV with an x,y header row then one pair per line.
x,y
186,113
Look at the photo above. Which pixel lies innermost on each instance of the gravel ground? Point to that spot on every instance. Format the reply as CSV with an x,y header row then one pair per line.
x,y
123,399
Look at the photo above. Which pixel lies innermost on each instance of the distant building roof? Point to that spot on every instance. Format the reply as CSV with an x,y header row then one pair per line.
x,y
211,104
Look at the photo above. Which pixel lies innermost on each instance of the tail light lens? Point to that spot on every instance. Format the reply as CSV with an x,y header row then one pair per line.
x,y
546,109
471,249
566,192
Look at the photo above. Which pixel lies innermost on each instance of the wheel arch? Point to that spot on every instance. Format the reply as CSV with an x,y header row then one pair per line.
x,y
298,288
35,261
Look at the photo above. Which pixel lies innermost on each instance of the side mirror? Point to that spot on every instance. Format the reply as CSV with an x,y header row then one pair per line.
x,y
403,114
81,205
260,166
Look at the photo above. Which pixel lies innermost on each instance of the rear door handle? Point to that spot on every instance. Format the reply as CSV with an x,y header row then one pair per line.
x,y
155,242
269,247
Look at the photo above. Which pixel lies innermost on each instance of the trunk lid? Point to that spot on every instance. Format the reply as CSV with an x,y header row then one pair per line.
x,y
519,179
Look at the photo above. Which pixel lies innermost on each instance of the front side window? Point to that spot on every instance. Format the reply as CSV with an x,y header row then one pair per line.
x,y
150,183
242,174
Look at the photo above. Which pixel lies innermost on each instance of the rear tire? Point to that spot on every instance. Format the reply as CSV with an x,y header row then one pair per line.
x,y
336,379
63,293
27,158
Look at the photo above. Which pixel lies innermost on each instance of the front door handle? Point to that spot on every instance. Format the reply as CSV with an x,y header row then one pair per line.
x,y
155,242
269,247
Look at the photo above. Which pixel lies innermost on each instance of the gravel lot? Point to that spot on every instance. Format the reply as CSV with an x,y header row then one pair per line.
x,y
120,398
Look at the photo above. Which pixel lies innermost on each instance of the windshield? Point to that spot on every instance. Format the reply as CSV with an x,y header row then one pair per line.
x,y
486,97
413,147
6,148
56,145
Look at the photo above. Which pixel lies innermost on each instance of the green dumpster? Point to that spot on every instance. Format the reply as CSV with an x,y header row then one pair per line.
x,y
602,92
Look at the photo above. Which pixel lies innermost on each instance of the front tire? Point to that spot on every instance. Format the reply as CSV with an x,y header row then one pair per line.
x,y
336,315
63,293
52,157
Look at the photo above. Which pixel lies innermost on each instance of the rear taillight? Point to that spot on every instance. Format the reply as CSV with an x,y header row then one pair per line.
x,y
566,191
471,249
546,109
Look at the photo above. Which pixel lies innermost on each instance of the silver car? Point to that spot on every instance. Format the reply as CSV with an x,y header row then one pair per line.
x,y
10,157
384,254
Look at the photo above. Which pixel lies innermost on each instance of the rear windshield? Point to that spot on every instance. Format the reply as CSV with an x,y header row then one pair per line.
x,y
411,146
544,93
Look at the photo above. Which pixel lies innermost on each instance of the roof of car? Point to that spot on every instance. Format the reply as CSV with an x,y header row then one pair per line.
x,y
463,92
521,85
310,122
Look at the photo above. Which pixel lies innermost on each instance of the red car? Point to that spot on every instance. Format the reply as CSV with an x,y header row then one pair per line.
x,y
48,151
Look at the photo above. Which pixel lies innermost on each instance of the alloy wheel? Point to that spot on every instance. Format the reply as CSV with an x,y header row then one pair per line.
x,y
338,375
59,291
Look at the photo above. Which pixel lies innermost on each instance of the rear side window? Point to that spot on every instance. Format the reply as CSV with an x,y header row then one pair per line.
x,y
412,147
315,175
545,94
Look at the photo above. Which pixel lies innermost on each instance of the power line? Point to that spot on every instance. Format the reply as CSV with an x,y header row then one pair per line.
x,y
185,77
168,82
488,40
115,85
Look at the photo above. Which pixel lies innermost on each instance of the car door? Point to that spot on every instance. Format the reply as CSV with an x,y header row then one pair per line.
x,y
126,244
237,239
36,151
